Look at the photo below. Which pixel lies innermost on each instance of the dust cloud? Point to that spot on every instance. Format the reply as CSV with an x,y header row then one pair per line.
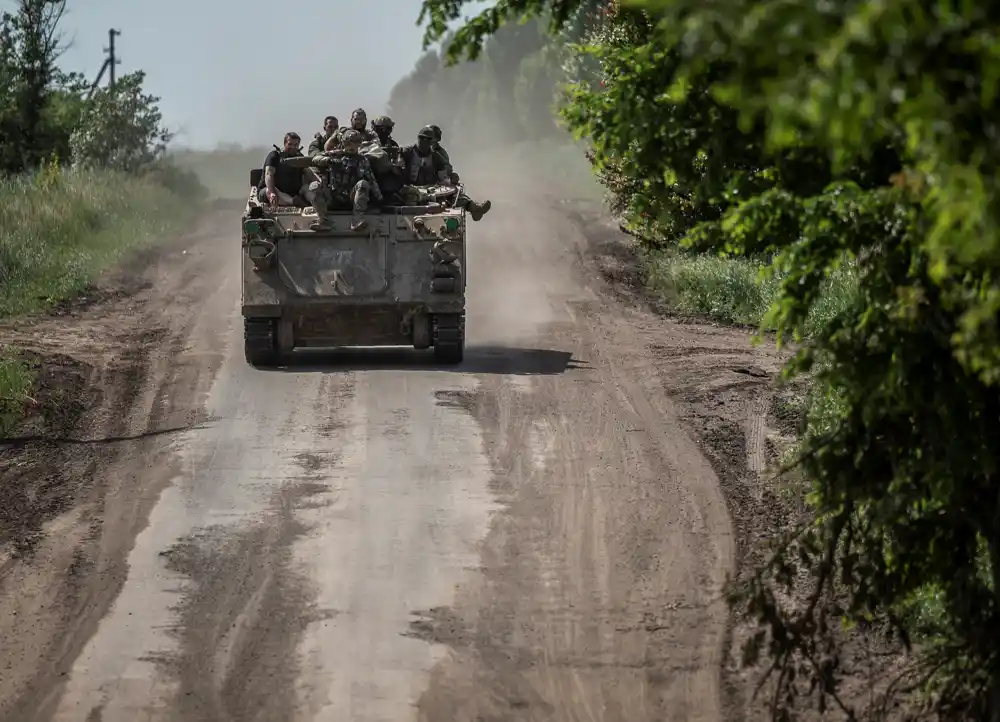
x,y
231,103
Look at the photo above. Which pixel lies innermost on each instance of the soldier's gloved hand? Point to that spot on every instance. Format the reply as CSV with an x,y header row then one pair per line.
x,y
321,160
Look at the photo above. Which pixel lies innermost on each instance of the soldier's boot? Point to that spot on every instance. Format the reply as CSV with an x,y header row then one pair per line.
x,y
320,205
360,198
322,221
478,210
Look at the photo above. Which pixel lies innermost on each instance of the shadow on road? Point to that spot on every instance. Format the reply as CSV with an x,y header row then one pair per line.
x,y
478,360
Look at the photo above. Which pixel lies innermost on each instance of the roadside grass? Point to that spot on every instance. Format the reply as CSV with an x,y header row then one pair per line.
x,y
61,229
16,379
733,290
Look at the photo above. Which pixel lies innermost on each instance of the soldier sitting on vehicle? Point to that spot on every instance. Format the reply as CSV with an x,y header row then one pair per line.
x,y
424,166
330,126
281,185
382,127
385,158
349,182
440,148
359,123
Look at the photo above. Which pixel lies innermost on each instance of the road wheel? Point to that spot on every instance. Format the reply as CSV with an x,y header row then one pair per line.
x,y
260,342
449,338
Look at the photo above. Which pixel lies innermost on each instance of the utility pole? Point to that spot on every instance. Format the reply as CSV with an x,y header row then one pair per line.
x,y
112,61
109,63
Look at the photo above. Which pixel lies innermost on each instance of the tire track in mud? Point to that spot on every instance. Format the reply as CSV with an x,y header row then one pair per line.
x,y
571,619
242,616
246,604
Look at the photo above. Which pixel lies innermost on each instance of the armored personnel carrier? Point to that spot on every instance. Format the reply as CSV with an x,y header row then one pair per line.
x,y
398,282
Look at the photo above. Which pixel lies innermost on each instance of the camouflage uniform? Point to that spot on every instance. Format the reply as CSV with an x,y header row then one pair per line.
x,y
382,127
437,143
422,166
319,140
349,183
423,169
444,153
390,177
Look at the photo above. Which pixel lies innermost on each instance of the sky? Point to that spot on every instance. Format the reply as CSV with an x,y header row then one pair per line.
x,y
209,62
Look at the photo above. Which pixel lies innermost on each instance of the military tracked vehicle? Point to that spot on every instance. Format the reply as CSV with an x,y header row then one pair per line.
x,y
398,282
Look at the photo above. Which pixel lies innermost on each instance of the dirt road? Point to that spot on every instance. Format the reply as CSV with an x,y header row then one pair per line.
x,y
532,535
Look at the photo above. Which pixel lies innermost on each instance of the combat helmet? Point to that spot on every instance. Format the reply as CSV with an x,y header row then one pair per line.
x,y
351,137
383,121
427,132
437,132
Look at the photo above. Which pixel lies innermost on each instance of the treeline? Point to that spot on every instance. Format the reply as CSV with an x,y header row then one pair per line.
x,y
48,117
819,137
83,178
507,94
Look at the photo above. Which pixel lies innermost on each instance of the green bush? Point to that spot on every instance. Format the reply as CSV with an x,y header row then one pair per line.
x,y
831,136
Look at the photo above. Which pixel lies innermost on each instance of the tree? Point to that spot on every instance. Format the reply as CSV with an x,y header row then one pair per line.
x,y
121,128
538,77
505,94
505,52
825,134
29,48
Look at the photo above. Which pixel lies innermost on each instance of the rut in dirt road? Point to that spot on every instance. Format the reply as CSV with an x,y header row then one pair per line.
x,y
528,536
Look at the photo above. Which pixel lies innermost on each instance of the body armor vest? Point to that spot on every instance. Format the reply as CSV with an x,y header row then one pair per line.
x,y
422,170
344,173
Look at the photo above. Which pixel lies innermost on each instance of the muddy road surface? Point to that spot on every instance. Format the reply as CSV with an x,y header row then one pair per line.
x,y
531,535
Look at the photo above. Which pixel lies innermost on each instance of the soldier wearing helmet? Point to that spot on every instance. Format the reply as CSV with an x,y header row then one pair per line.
x,y
424,166
348,182
359,123
444,154
477,210
437,142
382,127
388,169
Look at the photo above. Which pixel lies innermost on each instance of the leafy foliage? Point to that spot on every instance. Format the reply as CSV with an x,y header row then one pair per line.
x,y
29,48
121,128
822,135
46,113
